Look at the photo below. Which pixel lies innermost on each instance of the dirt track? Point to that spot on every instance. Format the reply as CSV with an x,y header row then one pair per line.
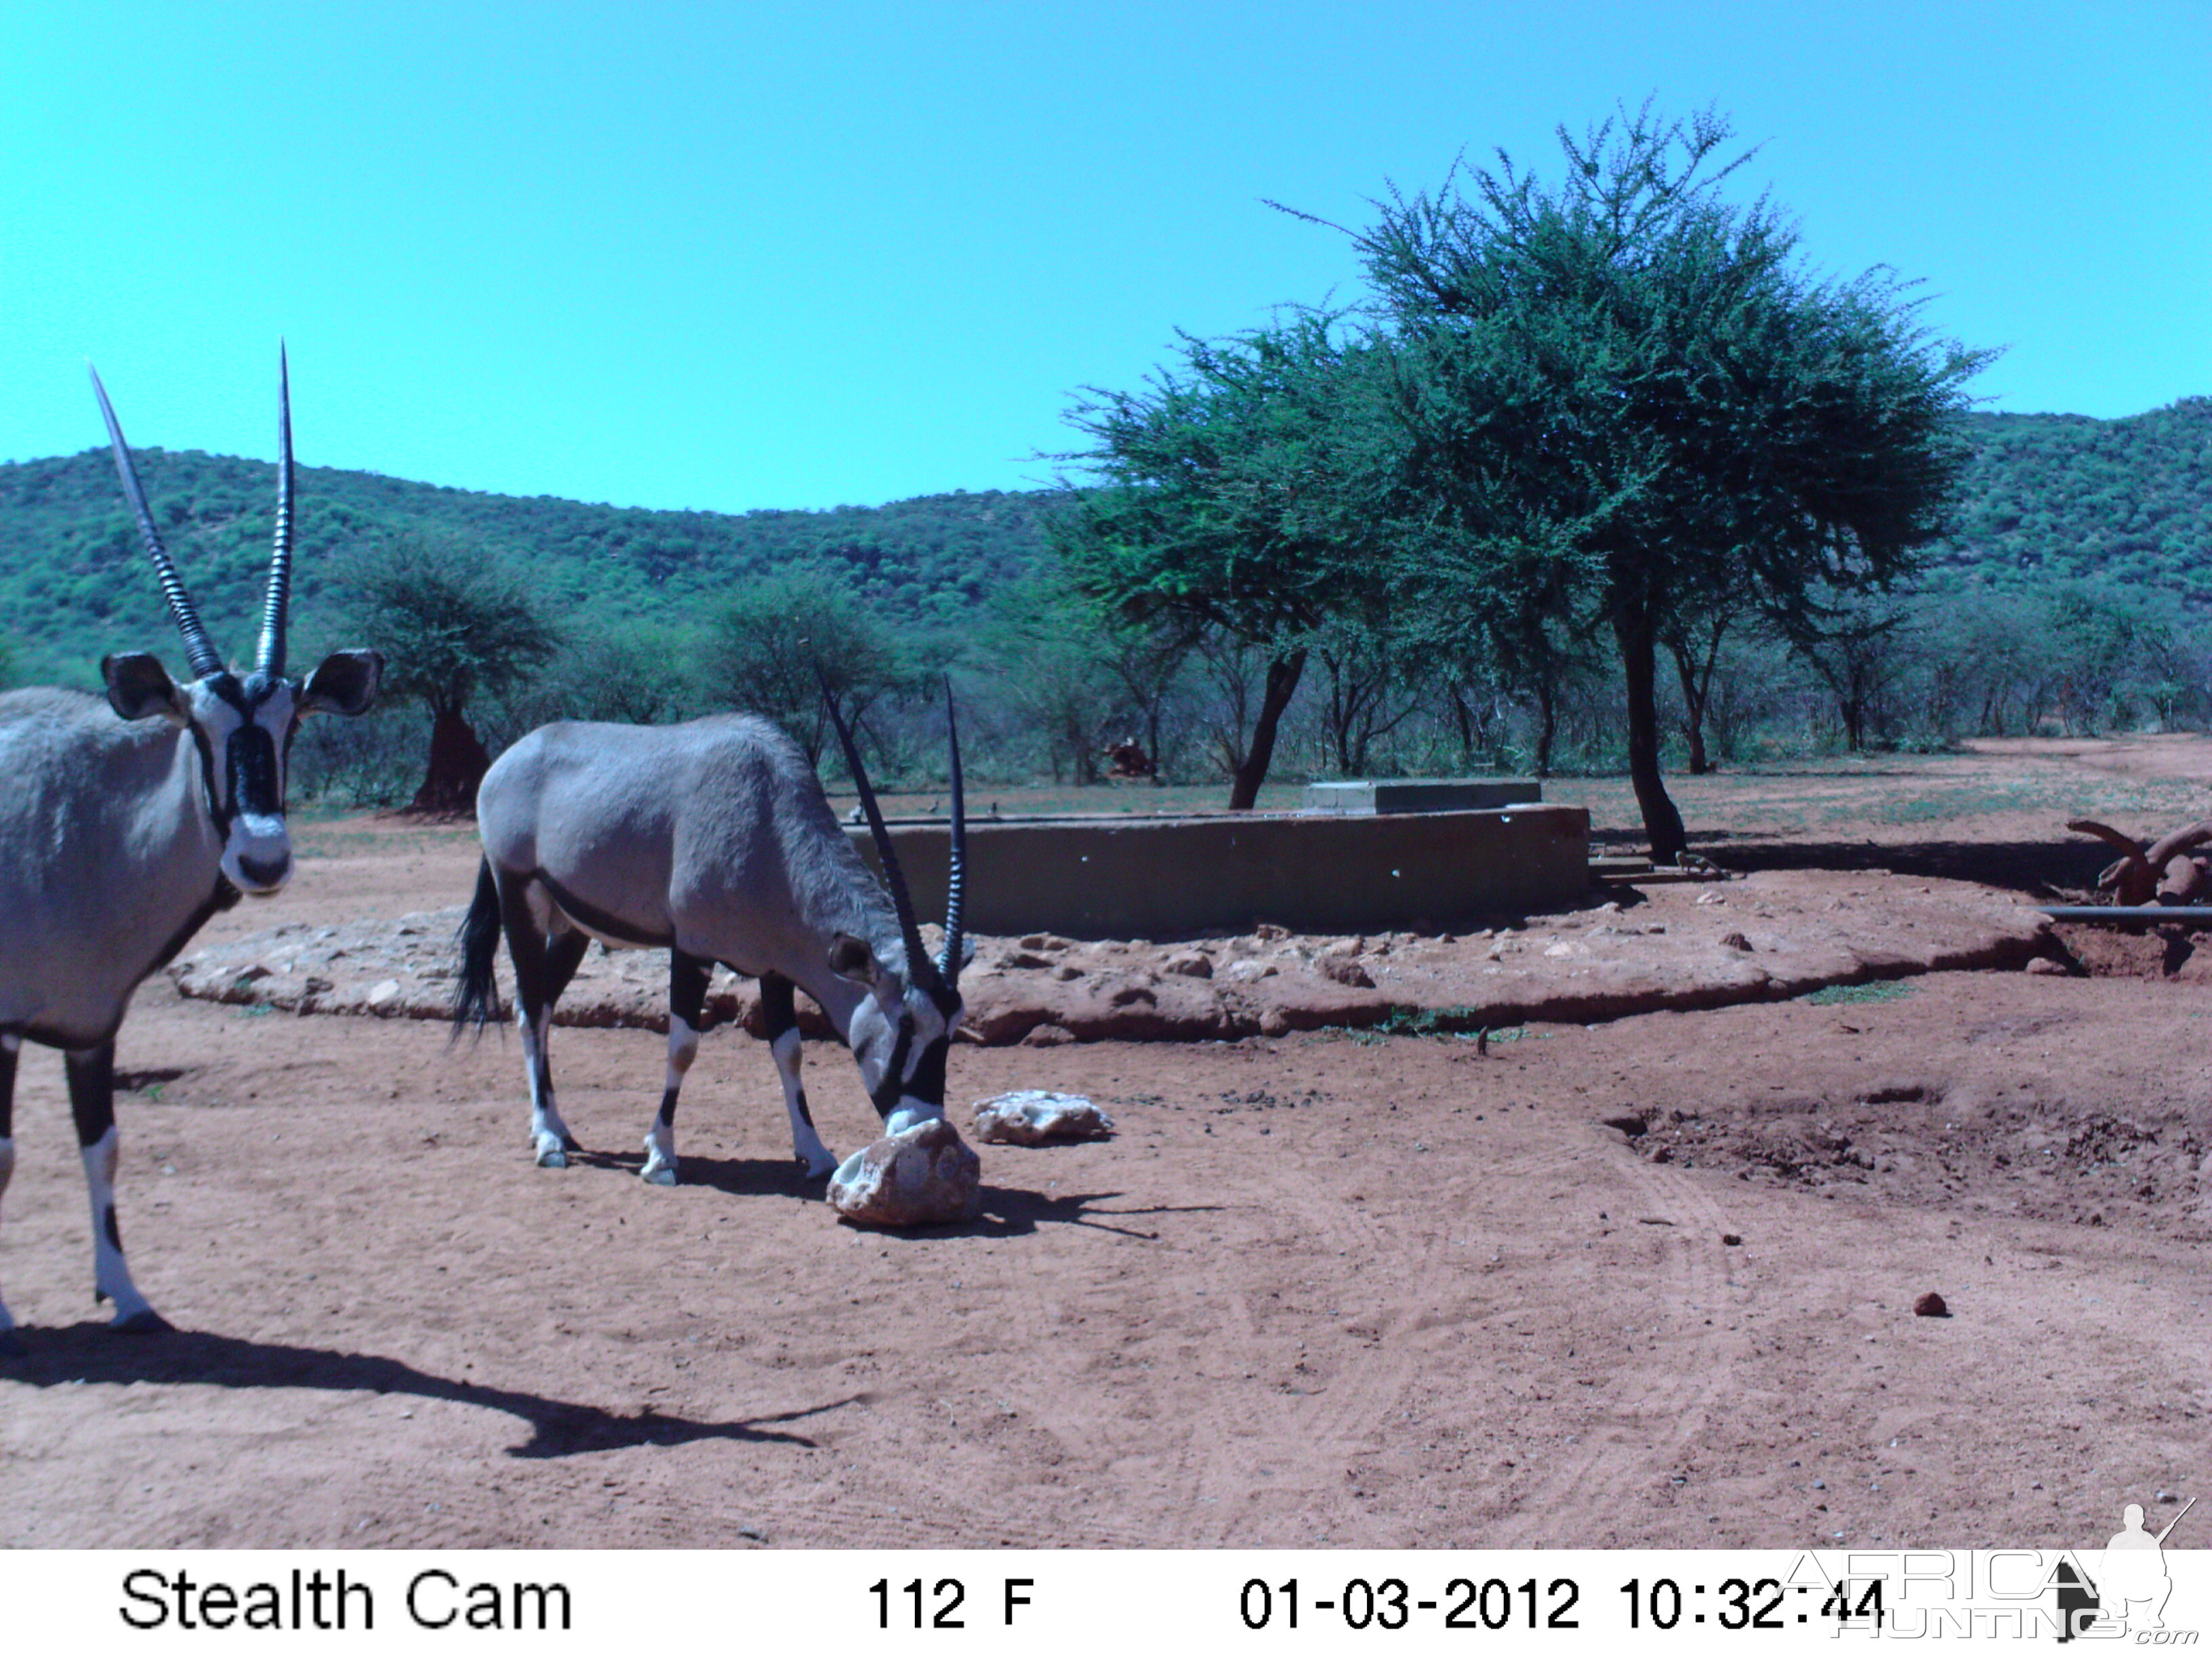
x,y
1323,1288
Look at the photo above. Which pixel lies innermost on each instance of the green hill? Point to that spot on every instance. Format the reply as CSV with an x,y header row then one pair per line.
x,y
2047,498
75,583
2054,498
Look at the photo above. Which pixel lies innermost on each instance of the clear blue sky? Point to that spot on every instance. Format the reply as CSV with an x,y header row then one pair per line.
x,y
732,256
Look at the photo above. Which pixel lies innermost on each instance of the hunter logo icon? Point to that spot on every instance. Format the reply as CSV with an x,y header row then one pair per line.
x,y
2131,1585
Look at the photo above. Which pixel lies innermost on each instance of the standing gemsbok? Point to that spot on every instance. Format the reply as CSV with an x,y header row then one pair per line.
x,y
713,839
124,824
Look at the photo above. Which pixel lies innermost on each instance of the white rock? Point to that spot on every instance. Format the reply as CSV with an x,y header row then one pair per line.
x,y
1030,1116
920,1176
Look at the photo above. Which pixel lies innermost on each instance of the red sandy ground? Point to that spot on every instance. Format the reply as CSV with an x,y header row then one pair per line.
x,y
1321,1289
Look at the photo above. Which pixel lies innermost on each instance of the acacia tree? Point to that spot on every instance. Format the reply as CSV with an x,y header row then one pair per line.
x,y
777,645
1055,679
1226,504
1642,372
454,624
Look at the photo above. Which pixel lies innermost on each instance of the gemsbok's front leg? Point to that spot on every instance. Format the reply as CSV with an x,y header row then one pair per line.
x,y
687,998
11,1345
780,1012
92,1102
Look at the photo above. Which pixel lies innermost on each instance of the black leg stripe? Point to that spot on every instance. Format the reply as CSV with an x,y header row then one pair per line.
x,y
92,1093
779,1005
114,1230
668,1109
687,987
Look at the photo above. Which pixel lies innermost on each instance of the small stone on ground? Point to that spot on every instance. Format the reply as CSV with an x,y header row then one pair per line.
x,y
1029,1117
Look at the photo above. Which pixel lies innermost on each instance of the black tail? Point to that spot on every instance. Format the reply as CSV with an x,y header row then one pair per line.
x,y
475,994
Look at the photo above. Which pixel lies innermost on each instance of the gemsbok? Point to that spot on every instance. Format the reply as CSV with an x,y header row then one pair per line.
x,y
124,825
714,840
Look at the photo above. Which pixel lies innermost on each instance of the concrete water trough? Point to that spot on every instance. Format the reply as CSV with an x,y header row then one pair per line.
x,y
1368,796
1171,878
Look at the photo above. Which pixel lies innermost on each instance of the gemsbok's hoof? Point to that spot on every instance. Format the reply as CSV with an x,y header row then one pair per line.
x,y
552,1158
817,1171
144,1322
659,1175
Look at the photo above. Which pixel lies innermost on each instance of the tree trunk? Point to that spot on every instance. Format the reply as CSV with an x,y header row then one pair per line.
x,y
1082,748
1696,690
1464,717
1282,683
1547,723
1639,661
457,764
1854,713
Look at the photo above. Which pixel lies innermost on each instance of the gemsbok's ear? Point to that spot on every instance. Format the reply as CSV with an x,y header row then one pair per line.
x,y
344,684
851,959
138,687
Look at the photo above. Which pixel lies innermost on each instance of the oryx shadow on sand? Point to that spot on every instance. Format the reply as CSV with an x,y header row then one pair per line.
x,y
90,1352
58,1356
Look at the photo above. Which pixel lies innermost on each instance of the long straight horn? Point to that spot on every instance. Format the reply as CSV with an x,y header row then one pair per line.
x,y
205,658
956,881
275,608
919,968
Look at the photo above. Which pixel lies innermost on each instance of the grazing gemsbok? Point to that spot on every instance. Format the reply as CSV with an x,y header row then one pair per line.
x,y
124,824
713,839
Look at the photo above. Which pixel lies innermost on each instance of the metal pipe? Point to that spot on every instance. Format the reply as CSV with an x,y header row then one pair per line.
x,y
2196,913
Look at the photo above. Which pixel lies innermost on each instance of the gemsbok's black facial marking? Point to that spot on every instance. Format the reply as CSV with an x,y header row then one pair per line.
x,y
254,773
928,1084
219,808
887,1094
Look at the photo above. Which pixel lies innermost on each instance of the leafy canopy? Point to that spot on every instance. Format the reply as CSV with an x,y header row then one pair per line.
x,y
776,647
452,623
1625,370
1229,489
1624,401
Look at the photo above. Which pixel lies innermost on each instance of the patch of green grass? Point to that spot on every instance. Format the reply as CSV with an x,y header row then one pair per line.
x,y
1464,1024
1432,1022
1882,990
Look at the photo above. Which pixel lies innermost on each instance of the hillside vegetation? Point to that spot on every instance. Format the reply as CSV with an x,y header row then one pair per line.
x,y
2047,498
2053,498
75,583
2076,590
